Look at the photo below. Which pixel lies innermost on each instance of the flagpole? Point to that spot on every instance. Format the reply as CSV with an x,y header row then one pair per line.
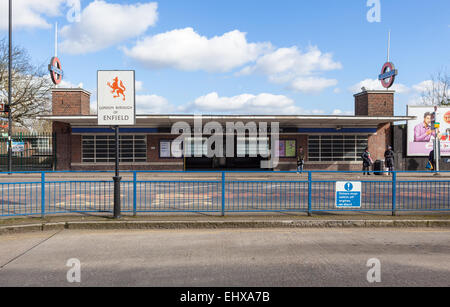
x,y
56,39
10,90
389,47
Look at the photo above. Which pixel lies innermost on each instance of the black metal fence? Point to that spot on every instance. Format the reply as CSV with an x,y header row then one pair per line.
x,y
30,151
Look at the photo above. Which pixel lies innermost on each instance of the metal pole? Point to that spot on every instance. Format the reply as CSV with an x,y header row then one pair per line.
x,y
309,193
117,179
223,193
10,90
394,193
437,155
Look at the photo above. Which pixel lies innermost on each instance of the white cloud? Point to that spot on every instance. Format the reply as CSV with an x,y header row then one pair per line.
x,y
185,49
245,104
139,86
296,68
312,84
374,84
68,84
285,61
153,104
30,13
423,86
105,24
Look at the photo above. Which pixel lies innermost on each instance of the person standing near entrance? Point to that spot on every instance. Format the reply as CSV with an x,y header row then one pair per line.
x,y
430,164
367,161
389,159
300,160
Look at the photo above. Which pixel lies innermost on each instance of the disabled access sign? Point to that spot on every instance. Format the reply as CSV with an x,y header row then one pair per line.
x,y
348,194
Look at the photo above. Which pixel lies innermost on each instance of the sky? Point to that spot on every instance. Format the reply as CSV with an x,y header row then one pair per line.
x,y
240,56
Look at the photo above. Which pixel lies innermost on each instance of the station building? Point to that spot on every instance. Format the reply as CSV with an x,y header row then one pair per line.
x,y
329,142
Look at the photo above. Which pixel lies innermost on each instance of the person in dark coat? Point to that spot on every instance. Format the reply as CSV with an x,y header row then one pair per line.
x,y
389,159
431,159
300,160
367,161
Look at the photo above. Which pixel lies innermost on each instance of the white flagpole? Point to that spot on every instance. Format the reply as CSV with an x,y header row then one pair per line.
x,y
56,39
389,46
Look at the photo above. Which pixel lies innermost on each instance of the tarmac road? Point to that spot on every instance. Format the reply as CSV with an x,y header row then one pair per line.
x,y
228,258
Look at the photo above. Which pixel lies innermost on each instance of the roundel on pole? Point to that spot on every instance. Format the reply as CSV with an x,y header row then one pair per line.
x,y
388,74
55,70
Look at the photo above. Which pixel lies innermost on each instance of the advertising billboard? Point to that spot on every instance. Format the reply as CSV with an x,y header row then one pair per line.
x,y
421,134
116,98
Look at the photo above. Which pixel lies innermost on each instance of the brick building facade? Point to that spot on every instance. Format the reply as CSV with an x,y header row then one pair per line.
x,y
329,142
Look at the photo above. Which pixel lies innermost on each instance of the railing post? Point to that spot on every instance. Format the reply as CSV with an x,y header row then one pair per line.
x,y
394,193
309,193
134,193
223,193
42,194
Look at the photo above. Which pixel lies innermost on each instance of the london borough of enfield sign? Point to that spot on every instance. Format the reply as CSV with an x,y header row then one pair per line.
x,y
116,101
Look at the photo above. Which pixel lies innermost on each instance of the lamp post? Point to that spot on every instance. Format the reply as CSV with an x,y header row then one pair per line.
x,y
116,178
9,91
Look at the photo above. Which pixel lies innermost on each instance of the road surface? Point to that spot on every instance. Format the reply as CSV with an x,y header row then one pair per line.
x,y
228,258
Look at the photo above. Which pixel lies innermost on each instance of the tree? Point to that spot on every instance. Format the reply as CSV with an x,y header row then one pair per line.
x,y
31,87
437,90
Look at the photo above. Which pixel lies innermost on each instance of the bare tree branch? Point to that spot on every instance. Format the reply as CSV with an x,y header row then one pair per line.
x,y
31,87
437,93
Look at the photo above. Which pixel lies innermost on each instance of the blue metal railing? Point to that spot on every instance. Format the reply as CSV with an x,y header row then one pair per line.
x,y
223,194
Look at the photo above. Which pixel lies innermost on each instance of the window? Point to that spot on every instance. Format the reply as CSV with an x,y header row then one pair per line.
x,y
252,146
101,148
196,147
336,147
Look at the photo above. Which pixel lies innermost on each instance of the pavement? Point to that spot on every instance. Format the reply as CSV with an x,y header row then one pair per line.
x,y
275,257
217,176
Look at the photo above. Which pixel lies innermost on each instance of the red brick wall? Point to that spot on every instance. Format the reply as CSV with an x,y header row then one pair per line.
x,y
378,142
291,163
63,145
342,166
76,148
361,105
70,102
374,104
128,167
153,142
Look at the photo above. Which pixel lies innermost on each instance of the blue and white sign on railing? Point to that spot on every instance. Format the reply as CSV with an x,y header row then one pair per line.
x,y
348,194
18,147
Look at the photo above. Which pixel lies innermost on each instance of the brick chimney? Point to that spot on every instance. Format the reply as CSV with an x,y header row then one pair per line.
x,y
71,101
374,103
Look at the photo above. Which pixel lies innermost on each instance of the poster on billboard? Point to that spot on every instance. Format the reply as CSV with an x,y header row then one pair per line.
x,y
420,133
116,98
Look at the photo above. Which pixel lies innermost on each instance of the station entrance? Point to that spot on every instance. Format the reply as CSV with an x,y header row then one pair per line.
x,y
248,153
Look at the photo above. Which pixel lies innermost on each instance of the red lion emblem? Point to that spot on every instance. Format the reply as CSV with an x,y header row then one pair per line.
x,y
117,89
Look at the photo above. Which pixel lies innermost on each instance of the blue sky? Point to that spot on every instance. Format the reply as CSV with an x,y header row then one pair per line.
x,y
247,56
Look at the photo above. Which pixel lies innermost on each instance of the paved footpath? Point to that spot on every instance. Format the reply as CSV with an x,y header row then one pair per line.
x,y
227,257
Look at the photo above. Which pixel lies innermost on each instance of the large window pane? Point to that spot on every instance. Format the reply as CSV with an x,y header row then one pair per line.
x,y
336,147
101,148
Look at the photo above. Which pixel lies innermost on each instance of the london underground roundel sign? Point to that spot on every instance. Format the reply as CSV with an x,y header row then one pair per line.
x,y
55,70
388,74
